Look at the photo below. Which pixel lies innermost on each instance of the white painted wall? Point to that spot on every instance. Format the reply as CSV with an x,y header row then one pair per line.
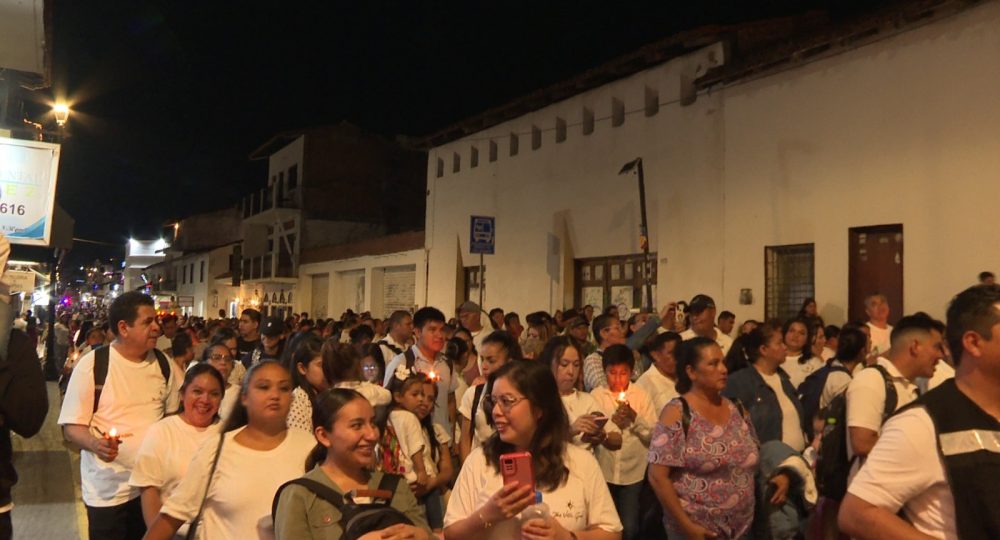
x,y
345,274
899,131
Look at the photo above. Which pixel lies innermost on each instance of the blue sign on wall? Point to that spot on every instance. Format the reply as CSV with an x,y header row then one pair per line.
x,y
482,234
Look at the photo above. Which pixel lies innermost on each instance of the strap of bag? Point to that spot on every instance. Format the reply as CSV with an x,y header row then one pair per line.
x,y
476,397
323,492
388,483
410,358
192,530
890,393
102,357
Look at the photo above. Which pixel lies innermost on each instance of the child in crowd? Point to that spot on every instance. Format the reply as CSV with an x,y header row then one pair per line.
x,y
403,436
437,462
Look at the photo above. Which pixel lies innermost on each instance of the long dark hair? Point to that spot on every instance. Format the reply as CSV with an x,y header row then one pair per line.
x,y
193,373
554,349
688,354
239,417
325,408
810,334
306,349
341,361
548,445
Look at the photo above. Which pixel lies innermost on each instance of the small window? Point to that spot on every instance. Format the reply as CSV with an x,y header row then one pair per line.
x,y
513,144
293,177
440,167
788,279
473,157
536,138
493,151
617,112
560,130
456,162
202,273
588,121
652,101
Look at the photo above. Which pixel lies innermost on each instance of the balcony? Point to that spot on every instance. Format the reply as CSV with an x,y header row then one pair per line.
x,y
263,269
268,198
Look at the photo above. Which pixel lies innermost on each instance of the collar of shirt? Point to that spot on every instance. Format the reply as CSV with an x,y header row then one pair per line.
x,y
894,373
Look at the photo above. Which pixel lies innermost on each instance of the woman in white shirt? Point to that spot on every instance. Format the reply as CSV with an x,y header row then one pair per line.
x,y
799,359
529,416
258,453
585,416
166,451
219,357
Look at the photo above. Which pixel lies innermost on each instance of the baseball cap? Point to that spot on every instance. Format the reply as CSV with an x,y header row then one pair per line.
x,y
577,321
700,303
469,307
272,326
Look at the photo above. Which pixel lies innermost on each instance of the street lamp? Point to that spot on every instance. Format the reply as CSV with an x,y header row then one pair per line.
x,y
61,112
647,267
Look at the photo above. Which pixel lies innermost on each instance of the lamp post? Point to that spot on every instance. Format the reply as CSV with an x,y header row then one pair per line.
x,y
61,113
647,296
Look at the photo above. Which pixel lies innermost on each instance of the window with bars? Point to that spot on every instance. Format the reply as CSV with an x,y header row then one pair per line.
x,y
788,279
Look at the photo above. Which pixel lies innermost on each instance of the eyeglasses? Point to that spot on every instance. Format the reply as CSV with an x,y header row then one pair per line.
x,y
506,402
218,357
369,368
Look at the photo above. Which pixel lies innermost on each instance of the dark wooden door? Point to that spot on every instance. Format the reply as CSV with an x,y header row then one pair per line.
x,y
875,265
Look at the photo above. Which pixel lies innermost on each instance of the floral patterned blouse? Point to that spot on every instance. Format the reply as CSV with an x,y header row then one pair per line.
x,y
712,469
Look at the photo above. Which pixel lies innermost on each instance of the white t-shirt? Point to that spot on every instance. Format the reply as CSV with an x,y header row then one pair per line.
x,y
791,427
724,341
866,398
583,501
134,397
827,353
447,382
578,404
798,372
880,338
375,394
905,471
229,400
626,465
836,384
412,439
242,487
659,387
165,454
481,430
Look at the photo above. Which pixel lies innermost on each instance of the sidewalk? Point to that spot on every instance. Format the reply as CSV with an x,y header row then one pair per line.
x,y
47,502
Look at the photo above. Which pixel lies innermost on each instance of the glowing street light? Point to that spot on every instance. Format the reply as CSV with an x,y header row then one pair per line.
x,y
61,112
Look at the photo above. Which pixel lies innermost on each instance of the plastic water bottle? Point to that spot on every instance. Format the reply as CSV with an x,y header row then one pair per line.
x,y
539,510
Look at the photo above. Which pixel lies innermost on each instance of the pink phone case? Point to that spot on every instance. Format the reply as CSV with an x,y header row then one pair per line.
x,y
517,466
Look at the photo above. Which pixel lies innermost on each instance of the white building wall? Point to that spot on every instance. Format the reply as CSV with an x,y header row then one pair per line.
x,y
899,131
345,274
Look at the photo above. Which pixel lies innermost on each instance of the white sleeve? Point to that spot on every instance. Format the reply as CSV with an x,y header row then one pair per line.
x,y
462,502
174,382
78,403
601,510
897,468
186,498
465,408
441,435
151,458
376,395
836,384
408,431
390,369
866,400
644,417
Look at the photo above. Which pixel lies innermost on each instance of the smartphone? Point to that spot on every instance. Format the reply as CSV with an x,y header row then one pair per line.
x,y
516,466
600,420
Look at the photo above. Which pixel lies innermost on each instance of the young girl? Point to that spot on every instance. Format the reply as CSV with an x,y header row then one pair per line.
x,y
404,439
342,369
307,372
439,467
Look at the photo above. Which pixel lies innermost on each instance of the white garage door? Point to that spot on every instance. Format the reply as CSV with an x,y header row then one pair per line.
x,y
398,288
320,296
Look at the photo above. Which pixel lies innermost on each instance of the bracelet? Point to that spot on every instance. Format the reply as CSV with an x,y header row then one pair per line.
x,y
486,524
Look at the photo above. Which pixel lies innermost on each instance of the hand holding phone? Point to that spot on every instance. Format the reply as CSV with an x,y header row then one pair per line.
x,y
516,466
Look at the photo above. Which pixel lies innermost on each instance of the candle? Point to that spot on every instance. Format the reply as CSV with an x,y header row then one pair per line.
x,y
621,397
113,433
432,376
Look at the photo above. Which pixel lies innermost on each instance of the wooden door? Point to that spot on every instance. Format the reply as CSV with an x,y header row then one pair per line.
x,y
875,265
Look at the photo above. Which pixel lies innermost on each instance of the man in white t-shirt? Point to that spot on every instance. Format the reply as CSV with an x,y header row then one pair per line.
x,y
877,310
702,315
400,332
948,429
659,381
917,346
134,397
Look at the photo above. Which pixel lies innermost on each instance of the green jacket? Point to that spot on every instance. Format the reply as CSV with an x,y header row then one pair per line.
x,y
303,515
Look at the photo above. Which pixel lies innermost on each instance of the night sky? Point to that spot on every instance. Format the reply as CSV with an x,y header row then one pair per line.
x,y
170,97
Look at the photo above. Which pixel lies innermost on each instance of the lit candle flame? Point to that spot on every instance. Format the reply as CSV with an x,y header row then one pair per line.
x,y
621,397
432,376
113,433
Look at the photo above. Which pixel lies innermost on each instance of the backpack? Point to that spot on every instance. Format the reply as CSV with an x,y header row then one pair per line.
x,y
102,356
356,519
390,452
832,465
811,390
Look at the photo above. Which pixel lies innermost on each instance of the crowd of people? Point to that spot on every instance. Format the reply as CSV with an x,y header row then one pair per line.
x,y
581,424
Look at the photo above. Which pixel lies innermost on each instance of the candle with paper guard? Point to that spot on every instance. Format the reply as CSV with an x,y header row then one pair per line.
x,y
433,376
621,397
113,435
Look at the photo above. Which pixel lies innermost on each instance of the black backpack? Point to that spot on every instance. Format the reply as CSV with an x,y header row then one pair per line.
x,y
102,356
832,465
356,520
811,390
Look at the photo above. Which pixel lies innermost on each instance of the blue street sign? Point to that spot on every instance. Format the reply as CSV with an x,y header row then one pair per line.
x,y
482,235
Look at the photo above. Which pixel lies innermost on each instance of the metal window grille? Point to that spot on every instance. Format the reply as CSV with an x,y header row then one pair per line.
x,y
789,279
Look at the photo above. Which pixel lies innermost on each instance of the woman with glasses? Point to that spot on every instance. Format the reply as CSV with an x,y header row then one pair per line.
x,y
219,357
529,417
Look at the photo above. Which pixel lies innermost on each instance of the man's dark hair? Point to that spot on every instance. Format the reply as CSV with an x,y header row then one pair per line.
x,y
919,321
661,341
831,331
972,310
252,313
427,314
506,342
398,317
126,308
727,315
495,311
510,317
180,344
617,355
360,332
601,322
850,342
983,276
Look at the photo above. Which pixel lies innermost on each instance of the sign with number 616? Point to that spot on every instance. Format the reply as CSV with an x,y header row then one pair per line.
x,y
28,172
